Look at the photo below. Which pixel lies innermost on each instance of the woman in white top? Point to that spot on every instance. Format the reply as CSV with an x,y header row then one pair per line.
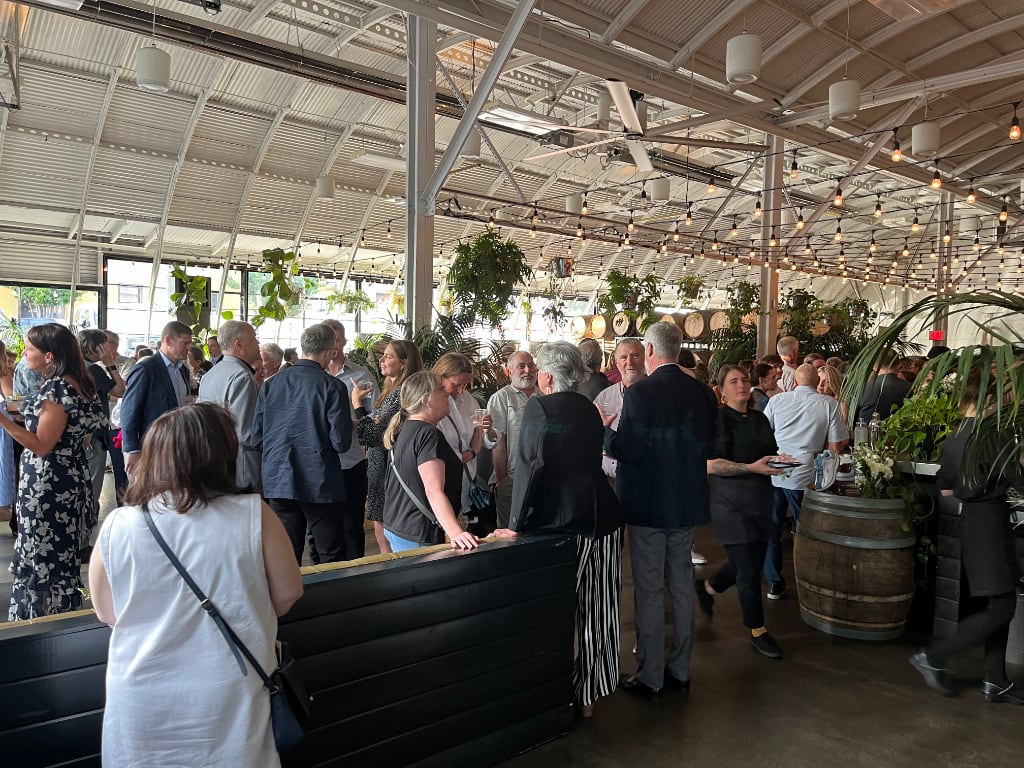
x,y
175,693
465,438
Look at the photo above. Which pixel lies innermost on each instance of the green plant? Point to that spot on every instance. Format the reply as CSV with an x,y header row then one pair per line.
x,y
738,340
12,335
916,430
350,302
484,275
280,293
189,301
554,313
688,288
997,436
804,311
634,295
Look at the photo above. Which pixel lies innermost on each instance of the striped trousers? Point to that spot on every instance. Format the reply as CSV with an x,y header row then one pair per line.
x,y
598,582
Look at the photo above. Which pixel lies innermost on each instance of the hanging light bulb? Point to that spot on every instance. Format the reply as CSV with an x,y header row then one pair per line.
x,y
800,220
584,208
794,171
772,241
536,215
807,248
916,223
878,207
711,185
490,221
752,253
947,236
972,196
1002,248
675,232
579,227
897,155
977,241
734,231
533,231
837,200
714,243
643,190
937,179
757,207
1004,213
625,239
689,214
906,247
873,246
839,231
630,226
1015,123
664,246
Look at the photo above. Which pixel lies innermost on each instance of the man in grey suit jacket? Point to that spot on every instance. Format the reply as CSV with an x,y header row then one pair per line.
x,y
232,382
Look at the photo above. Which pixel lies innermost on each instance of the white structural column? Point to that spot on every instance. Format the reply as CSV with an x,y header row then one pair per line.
x,y
768,318
419,224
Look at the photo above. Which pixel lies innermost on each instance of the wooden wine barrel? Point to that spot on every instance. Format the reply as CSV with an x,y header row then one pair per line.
x,y
579,324
854,566
621,323
718,320
597,326
693,325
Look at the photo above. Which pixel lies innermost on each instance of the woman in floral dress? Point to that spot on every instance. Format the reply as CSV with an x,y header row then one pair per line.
x,y
400,360
54,490
6,445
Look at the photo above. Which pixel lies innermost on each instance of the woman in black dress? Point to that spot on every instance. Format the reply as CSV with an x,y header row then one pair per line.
x,y
741,504
400,360
987,554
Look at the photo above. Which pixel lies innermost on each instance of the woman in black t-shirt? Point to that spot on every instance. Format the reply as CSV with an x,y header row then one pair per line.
x,y
424,481
741,504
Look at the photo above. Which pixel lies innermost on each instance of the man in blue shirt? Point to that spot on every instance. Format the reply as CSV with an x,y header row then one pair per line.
x,y
26,381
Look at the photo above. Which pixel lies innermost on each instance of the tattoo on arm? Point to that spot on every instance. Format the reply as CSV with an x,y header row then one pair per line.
x,y
726,467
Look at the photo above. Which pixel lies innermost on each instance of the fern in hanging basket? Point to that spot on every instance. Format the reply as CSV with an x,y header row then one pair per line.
x,y
484,276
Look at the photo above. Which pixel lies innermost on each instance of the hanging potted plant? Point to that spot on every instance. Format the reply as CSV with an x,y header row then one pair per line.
x,y
281,294
689,288
484,276
350,302
554,313
633,296
738,340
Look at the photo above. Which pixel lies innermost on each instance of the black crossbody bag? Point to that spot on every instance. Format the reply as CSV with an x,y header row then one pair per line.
x,y
289,700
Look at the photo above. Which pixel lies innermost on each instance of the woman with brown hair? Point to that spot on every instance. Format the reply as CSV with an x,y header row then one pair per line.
x,y
54,490
424,486
175,693
400,360
6,444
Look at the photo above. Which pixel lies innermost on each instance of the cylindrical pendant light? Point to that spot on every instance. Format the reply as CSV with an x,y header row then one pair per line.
x,y
153,69
604,108
659,188
471,146
324,188
743,59
574,204
924,139
844,99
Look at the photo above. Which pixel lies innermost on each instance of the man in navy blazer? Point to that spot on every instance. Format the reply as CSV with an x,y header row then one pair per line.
x,y
156,385
666,430
303,425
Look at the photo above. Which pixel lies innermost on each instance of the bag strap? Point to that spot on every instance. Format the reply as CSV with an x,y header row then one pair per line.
x,y
408,491
458,436
233,641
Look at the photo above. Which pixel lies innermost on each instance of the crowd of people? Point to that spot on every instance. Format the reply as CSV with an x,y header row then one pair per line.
x,y
255,455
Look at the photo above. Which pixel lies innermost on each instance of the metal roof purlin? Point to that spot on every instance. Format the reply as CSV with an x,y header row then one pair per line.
x,y
707,31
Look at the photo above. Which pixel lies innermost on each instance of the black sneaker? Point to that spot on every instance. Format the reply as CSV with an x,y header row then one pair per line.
x,y
777,591
705,601
765,645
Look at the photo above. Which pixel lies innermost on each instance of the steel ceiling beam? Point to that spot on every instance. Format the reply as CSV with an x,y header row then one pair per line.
x,y
707,31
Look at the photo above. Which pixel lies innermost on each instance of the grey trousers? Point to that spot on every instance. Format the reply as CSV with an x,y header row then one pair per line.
x,y
503,501
660,555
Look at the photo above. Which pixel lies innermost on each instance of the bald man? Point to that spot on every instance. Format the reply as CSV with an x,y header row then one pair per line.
x,y
805,423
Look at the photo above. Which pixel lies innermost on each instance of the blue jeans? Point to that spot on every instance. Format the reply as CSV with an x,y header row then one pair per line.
x,y
398,544
784,498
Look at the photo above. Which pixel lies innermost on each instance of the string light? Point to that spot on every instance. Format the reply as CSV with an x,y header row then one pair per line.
x,y
878,207
1015,123
837,200
897,155
906,247
714,243
937,179
873,247
972,197
579,227
794,171
675,232
584,209
630,227
1004,213
490,221
772,241
734,231
916,223
977,241
689,214
947,236
757,207
388,233
711,185
839,231
536,215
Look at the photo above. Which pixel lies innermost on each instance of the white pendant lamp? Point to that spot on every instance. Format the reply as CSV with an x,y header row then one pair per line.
x,y
743,59
844,99
574,204
324,187
471,146
924,139
153,69
659,188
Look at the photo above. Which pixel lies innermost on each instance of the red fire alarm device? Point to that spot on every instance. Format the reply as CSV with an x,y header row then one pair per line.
x,y
936,335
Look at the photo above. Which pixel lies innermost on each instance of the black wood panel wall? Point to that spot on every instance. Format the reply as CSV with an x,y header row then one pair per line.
x,y
432,660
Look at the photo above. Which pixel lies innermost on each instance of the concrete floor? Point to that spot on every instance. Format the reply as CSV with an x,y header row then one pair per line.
x,y
830,702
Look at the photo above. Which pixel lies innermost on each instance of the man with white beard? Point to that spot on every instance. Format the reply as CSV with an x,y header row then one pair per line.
x,y
506,408
629,359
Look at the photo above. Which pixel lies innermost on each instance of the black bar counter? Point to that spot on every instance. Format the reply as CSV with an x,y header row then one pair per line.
x,y
429,658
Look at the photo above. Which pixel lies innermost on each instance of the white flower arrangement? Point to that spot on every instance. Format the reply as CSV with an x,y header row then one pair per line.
x,y
874,471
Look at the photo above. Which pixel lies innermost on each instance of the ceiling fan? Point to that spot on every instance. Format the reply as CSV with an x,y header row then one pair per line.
x,y
634,131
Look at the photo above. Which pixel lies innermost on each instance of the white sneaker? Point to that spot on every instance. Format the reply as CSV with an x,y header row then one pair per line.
x,y
697,558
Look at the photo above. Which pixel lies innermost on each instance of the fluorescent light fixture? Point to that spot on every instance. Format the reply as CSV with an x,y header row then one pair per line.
x,y
73,5
517,119
376,160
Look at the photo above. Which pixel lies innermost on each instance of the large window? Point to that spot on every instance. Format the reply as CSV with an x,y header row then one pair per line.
x,y
30,305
